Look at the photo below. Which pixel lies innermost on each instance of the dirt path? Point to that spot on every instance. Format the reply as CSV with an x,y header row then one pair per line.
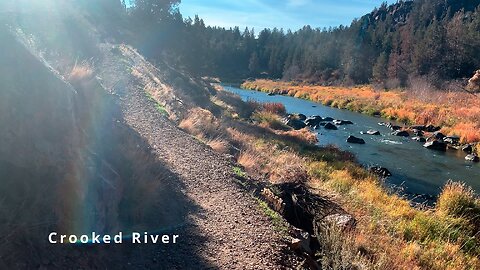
x,y
226,230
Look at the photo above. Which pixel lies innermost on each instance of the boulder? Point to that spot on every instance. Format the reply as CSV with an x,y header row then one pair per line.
x,y
438,135
300,241
345,222
330,126
436,145
313,121
472,158
295,123
342,122
418,127
474,83
395,128
275,202
353,139
301,117
401,133
328,119
417,132
373,132
419,139
467,148
451,139
271,94
380,171
432,128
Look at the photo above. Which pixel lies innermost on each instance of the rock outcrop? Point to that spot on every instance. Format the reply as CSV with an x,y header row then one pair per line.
x,y
474,83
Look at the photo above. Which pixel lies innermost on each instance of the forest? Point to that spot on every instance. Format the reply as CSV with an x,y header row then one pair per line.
x,y
434,39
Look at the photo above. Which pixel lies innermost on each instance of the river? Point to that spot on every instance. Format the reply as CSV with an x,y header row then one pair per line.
x,y
417,172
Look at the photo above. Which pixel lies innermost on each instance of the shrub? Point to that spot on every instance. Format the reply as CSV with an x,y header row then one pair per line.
x,y
269,119
202,123
274,107
219,145
458,200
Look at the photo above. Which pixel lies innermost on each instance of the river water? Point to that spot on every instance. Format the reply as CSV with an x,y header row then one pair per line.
x,y
417,172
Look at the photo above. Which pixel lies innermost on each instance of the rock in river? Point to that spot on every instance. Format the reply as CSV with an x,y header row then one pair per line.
x,y
342,122
438,135
431,128
451,139
401,133
472,158
313,121
467,148
330,126
301,117
295,124
436,145
371,132
419,139
419,127
380,171
353,139
417,132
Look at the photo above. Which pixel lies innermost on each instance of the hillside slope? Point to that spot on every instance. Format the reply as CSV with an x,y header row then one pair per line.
x,y
90,151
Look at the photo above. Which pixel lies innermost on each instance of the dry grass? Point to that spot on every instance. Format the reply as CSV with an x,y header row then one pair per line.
x,y
390,234
219,145
271,107
459,200
458,112
389,226
270,120
303,135
202,123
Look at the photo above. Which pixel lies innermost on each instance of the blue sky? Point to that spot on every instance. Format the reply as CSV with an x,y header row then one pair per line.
x,y
287,14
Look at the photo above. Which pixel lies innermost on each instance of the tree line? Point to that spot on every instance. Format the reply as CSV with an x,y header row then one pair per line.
x,y
439,39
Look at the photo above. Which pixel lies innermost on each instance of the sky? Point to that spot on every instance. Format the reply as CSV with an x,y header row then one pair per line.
x,y
287,14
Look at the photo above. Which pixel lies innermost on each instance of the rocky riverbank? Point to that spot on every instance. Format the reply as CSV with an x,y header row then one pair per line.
x,y
456,113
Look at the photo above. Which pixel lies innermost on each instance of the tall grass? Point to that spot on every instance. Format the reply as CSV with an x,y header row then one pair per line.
x,y
459,200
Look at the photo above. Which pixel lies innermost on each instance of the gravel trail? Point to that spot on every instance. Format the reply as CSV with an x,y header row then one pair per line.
x,y
225,229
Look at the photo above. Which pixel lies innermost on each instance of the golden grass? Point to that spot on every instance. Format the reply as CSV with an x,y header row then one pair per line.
x,y
457,199
219,145
390,234
457,112
201,122
270,120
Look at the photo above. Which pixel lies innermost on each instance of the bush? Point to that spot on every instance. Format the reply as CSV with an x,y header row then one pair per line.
x,y
458,200
269,119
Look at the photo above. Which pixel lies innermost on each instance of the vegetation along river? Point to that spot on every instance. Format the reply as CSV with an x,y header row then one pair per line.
x,y
418,172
